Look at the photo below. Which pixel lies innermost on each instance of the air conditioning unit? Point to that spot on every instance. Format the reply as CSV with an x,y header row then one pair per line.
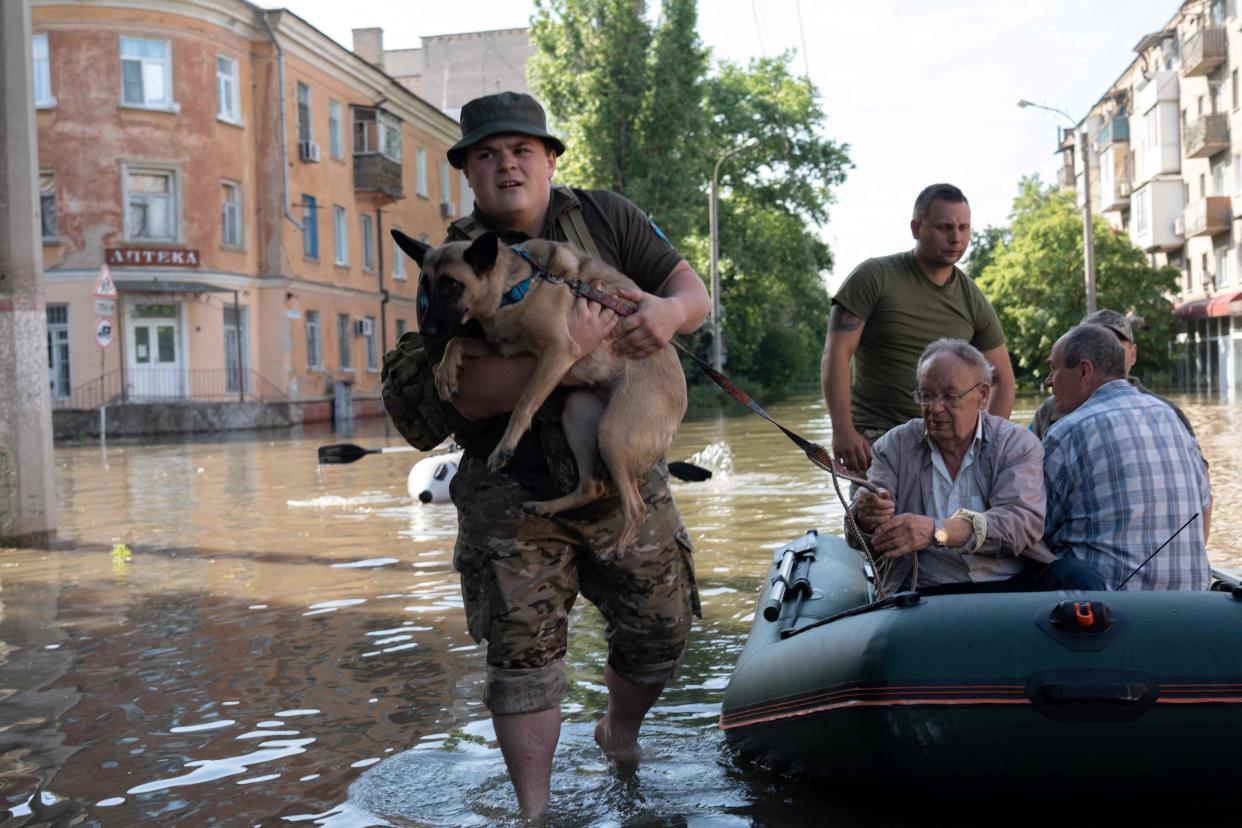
x,y
308,151
1179,227
363,327
1123,188
446,209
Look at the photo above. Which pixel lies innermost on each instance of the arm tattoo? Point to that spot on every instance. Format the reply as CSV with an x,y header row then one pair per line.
x,y
842,320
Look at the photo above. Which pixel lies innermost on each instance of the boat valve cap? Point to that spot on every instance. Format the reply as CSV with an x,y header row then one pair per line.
x,y
906,599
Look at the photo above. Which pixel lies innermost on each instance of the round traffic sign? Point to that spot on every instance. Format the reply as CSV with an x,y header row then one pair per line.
x,y
103,332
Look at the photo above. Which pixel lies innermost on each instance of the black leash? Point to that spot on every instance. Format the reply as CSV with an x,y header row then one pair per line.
x,y
1153,554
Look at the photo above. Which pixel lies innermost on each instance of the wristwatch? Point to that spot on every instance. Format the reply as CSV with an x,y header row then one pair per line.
x,y
939,534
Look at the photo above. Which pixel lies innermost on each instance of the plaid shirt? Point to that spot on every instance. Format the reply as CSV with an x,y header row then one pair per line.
x,y
1122,474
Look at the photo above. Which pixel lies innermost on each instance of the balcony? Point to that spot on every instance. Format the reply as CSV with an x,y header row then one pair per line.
x,y
1206,136
376,173
1203,51
1115,131
1207,217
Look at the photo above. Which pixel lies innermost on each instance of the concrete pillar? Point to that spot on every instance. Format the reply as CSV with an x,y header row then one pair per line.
x,y
27,489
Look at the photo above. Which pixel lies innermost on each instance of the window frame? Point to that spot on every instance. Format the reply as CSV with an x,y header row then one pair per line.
x,y
366,229
398,261
306,124
48,195
372,350
310,228
233,116
336,130
344,349
314,342
420,173
233,187
166,62
174,196
340,236
43,63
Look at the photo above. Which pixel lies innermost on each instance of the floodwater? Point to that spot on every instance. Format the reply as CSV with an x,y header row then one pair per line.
x,y
228,634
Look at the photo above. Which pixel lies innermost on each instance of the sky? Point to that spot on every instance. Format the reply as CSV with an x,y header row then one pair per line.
x,y
922,92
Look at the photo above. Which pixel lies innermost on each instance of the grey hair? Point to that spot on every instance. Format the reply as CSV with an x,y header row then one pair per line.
x,y
937,192
963,350
1097,345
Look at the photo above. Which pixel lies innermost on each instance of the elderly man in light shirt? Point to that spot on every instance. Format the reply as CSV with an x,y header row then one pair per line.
x,y
962,489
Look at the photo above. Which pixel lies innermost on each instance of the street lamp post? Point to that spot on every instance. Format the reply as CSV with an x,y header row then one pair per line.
x,y
1088,231
714,232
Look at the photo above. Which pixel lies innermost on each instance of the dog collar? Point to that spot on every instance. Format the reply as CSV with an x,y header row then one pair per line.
x,y
516,293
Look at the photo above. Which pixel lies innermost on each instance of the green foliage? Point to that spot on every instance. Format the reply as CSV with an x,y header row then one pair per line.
x,y
1033,275
642,116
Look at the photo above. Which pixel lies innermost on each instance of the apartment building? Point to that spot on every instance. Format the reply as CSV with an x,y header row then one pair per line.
x,y
238,173
1164,156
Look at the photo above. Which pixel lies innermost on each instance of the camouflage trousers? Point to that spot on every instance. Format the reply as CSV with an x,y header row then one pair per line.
x,y
521,573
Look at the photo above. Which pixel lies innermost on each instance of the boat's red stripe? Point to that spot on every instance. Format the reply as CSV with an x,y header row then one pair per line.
x,y
843,697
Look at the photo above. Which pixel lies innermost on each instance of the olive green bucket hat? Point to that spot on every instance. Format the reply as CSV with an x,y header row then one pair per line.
x,y
500,113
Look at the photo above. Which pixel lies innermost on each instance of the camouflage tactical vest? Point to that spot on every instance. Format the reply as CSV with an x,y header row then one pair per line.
x,y
409,392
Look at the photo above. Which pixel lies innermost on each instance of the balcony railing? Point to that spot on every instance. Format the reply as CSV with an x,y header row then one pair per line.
x,y
1116,131
1206,136
1207,216
376,173
171,385
1203,51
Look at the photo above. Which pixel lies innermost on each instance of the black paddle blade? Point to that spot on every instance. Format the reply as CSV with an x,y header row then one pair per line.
x,y
343,453
688,472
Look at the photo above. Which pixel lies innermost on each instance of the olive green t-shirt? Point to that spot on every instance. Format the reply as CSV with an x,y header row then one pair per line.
x,y
903,311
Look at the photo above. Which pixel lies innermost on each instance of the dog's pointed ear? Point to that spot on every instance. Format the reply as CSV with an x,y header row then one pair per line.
x,y
482,254
413,248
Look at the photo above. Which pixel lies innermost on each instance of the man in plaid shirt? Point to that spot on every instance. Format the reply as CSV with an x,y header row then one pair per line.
x,y
1121,471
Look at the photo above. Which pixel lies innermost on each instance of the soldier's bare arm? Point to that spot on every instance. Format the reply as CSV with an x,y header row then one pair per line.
x,y
844,333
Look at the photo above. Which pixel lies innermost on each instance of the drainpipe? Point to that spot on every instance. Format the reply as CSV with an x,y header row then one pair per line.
x,y
379,249
284,130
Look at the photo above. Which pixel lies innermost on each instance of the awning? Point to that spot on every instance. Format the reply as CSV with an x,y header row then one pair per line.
x,y
1226,304
160,286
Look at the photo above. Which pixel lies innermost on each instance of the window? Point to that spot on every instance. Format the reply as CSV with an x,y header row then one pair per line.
x,y
314,353
1218,179
344,353
372,355
401,327
376,131
151,205
420,161
398,261
336,130
1140,211
310,228
1237,173
465,196
368,241
146,73
340,238
1233,88
1218,99
47,204
446,197
228,101
42,71
1222,266
305,133
231,214
58,350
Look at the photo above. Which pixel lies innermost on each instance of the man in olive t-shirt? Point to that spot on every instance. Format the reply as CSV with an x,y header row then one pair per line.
x,y
888,310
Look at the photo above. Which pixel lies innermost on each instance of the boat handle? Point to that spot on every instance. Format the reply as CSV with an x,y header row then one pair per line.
x,y
1095,691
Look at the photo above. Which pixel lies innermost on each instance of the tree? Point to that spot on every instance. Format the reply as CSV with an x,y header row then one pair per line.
x,y
1034,281
643,117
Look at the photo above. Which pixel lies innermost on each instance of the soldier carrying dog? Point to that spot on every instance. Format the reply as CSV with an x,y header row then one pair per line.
x,y
522,572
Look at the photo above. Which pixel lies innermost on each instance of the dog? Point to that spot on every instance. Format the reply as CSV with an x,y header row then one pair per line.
x,y
627,410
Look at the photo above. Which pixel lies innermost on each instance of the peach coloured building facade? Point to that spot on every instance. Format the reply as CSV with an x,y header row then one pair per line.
x,y
238,172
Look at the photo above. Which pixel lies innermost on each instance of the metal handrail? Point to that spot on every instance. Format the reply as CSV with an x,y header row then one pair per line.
x,y
171,385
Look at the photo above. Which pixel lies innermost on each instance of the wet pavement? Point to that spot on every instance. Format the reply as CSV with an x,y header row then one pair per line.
x,y
229,634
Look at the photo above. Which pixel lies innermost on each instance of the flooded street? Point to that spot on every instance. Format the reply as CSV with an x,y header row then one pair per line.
x,y
229,634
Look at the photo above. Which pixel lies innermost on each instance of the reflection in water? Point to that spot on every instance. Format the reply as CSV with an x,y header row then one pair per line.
x,y
276,641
